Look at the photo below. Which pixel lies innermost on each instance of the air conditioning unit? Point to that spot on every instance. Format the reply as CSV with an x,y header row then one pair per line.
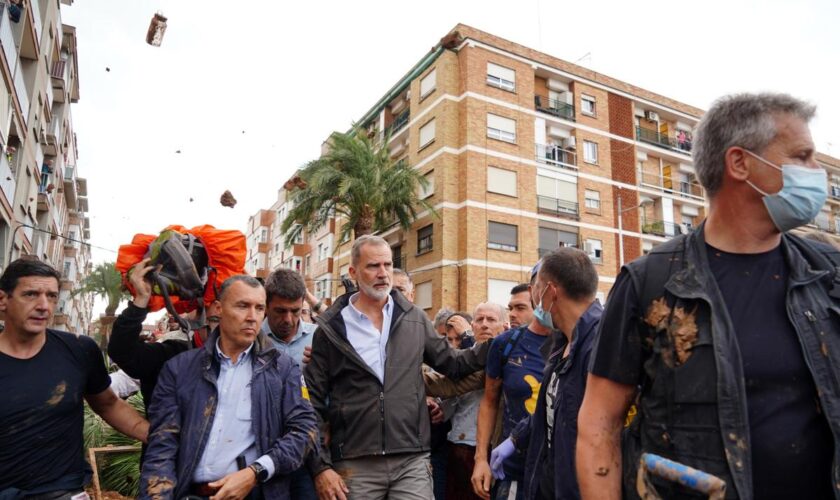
x,y
571,142
652,116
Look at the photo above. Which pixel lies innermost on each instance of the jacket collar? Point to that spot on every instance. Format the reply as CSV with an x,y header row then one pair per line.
x,y
263,349
584,329
695,278
332,319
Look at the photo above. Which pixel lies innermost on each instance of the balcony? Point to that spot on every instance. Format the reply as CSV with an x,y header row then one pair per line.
x,y
300,249
58,75
681,143
678,187
70,192
554,107
7,178
398,124
664,229
43,202
323,266
558,208
556,156
22,95
400,261
7,38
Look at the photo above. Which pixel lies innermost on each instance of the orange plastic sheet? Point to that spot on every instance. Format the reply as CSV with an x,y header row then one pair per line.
x,y
225,252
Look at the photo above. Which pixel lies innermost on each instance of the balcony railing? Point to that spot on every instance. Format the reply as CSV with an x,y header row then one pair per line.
x,y
560,208
557,156
834,192
399,122
556,107
680,143
671,185
664,229
400,261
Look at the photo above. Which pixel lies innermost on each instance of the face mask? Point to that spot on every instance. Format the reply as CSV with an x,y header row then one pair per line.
x,y
543,316
803,194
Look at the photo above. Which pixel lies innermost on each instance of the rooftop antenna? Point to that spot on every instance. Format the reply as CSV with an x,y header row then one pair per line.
x,y
586,57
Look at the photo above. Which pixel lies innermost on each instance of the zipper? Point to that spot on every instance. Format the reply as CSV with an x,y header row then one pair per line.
x,y
382,417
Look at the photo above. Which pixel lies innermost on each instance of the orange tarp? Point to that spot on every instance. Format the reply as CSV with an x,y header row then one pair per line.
x,y
225,252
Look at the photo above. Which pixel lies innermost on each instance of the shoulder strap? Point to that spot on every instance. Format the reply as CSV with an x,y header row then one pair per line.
x,y
511,344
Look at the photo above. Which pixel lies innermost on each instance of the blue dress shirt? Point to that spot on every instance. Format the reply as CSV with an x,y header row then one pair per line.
x,y
232,434
368,342
294,348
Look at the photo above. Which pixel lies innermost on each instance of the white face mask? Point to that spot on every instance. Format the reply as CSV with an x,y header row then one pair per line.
x,y
803,194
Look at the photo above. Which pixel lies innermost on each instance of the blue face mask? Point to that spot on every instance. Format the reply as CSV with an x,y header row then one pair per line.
x,y
803,194
543,316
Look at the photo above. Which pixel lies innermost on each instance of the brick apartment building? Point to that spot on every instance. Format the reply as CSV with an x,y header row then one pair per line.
x,y
524,152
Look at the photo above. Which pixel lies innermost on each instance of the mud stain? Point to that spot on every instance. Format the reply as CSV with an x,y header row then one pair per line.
x,y
157,487
683,332
58,394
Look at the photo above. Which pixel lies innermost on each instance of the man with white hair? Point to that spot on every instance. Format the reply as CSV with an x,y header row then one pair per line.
x,y
366,385
489,321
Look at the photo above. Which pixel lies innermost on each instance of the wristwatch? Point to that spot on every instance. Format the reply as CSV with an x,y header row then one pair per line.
x,y
260,471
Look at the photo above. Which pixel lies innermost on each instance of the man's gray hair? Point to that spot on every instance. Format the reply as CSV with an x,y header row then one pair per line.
x,y
243,278
500,310
744,120
366,239
442,315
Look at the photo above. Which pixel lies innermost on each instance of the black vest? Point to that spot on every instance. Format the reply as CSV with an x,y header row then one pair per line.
x,y
692,400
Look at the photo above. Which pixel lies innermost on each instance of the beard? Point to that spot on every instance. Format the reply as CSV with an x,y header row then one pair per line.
x,y
373,293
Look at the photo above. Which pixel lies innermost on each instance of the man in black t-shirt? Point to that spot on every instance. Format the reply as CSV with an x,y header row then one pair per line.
x,y
44,376
727,334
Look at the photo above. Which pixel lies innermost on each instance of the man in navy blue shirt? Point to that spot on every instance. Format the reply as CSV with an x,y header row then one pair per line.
x,y
564,295
514,369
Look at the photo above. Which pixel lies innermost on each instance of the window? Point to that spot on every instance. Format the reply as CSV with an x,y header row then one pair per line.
x,y
590,152
429,190
427,133
66,272
593,250
593,200
551,238
587,105
501,128
306,263
503,236
428,84
501,77
501,181
423,295
425,239
321,290
263,235
498,291
320,251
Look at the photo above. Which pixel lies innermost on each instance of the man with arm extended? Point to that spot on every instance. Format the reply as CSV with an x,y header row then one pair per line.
x,y
366,385
45,377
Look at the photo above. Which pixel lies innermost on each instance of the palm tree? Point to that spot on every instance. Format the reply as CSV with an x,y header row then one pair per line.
x,y
359,180
105,282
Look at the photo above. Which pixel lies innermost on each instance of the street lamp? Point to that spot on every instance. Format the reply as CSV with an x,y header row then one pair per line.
x,y
644,202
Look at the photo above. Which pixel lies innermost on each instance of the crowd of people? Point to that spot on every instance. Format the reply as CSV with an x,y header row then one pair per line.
x,y
719,350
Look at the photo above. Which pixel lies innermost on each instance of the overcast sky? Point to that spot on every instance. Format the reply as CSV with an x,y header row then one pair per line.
x,y
247,91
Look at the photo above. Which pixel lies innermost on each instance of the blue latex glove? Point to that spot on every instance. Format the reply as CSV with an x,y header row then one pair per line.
x,y
498,457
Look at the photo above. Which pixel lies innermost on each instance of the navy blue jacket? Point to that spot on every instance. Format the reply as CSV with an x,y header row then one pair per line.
x,y
530,434
184,406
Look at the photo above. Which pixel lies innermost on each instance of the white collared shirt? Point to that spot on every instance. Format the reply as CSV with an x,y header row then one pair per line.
x,y
368,342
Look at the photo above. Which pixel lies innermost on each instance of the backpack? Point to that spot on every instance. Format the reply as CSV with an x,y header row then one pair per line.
x,y
181,269
190,266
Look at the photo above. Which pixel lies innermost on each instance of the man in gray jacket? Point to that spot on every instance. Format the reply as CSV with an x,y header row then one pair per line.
x,y
366,385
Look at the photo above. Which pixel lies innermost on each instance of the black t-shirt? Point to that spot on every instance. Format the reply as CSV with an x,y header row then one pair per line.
x,y
792,445
42,415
